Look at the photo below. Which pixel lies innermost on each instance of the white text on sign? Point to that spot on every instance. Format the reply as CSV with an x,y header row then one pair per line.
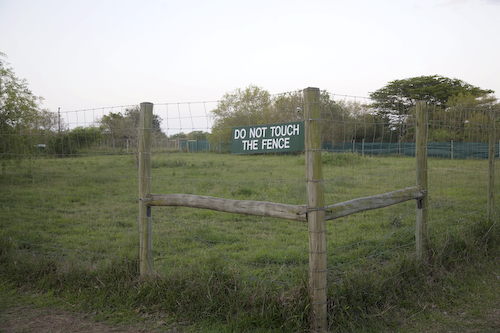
x,y
268,138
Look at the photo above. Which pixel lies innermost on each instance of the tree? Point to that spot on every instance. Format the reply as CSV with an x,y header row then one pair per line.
x,y
465,118
255,106
180,135
71,143
197,135
396,100
288,107
122,129
19,109
251,106
48,125
401,95
134,114
118,129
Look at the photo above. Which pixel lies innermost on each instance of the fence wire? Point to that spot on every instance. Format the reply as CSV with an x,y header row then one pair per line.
x,y
69,189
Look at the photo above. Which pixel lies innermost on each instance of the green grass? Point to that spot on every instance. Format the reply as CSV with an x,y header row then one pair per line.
x,y
68,227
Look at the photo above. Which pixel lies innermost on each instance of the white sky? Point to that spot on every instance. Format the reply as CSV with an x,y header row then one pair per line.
x,y
88,54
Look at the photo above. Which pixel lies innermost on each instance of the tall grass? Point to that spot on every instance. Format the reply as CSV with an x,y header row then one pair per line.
x,y
69,227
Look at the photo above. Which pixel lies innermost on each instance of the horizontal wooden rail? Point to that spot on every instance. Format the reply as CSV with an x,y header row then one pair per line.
x,y
259,208
283,211
374,202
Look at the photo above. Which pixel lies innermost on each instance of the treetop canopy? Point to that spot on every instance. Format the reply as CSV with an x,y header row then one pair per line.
x,y
435,89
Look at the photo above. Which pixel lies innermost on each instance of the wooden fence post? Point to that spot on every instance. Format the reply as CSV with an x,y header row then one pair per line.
x,y
491,166
145,221
315,210
451,149
421,157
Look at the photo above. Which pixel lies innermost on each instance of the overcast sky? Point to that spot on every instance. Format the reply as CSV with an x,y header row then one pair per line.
x,y
88,54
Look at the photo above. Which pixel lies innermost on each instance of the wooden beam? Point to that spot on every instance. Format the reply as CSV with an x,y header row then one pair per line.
x,y
374,202
283,211
259,208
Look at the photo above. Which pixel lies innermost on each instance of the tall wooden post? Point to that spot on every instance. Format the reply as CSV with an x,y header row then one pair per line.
x,y
421,157
145,221
316,211
491,166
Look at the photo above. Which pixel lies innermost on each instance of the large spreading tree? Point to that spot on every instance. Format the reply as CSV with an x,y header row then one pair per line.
x,y
395,102
402,95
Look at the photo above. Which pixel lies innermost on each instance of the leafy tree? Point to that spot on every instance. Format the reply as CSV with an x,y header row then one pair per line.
x,y
135,113
49,122
401,95
465,118
118,129
288,107
251,106
343,121
121,130
19,110
396,101
48,125
197,135
71,143
86,137
178,135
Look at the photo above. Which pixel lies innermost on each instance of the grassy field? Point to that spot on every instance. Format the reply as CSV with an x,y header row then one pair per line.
x,y
68,228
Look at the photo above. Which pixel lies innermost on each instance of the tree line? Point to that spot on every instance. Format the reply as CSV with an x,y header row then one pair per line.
x,y
26,128
115,130
457,111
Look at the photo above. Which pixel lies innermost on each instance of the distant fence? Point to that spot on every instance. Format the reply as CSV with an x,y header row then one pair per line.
x,y
186,145
450,150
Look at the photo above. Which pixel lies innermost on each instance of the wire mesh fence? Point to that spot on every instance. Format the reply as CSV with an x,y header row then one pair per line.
x,y
71,194
69,187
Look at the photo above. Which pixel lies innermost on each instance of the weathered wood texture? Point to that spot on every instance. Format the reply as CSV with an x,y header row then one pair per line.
x,y
316,212
283,211
145,221
491,166
374,202
259,208
421,172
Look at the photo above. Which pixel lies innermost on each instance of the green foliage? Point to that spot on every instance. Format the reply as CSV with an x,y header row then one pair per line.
x,y
19,110
446,98
74,142
401,95
197,135
121,130
134,114
251,106
344,121
466,118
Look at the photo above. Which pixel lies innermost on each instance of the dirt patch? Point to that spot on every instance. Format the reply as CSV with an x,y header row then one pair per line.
x,y
26,320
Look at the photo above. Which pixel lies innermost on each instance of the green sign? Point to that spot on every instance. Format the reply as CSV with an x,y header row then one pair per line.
x,y
275,138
